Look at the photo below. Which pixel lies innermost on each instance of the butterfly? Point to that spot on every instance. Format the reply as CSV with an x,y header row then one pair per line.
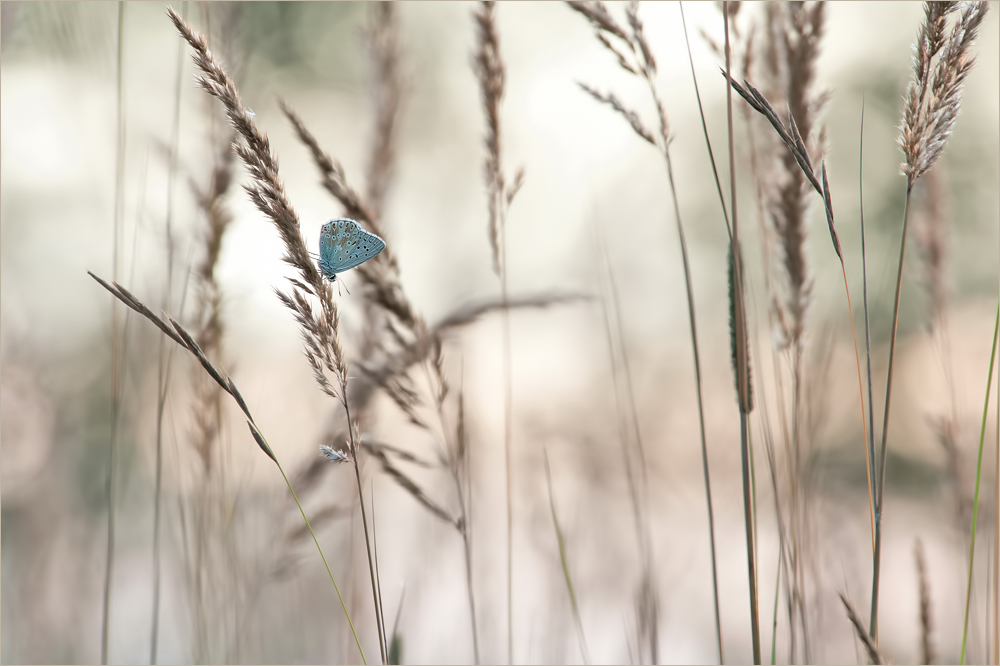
x,y
343,244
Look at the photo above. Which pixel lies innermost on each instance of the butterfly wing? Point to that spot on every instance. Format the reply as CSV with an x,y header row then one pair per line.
x,y
343,244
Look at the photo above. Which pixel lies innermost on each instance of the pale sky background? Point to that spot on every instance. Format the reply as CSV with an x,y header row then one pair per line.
x,y
583,166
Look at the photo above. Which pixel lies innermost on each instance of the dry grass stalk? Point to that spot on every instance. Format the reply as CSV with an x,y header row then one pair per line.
x,y
178,334
319,331
636,57
934,95
397,338
489,69
633,53
931,107
926,622
859,630
787,67
792,47
116,341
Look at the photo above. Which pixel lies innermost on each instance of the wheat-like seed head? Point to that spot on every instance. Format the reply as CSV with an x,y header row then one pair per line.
x,y
266,191
489,69
788,68
934,95
382,39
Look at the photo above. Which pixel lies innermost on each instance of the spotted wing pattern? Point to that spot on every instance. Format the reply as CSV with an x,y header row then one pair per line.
x,y
343,244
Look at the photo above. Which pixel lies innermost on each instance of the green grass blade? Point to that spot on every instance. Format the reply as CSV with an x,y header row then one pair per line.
x,y
975,497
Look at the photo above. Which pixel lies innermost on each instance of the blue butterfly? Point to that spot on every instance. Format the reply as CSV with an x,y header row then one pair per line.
x,y
343,244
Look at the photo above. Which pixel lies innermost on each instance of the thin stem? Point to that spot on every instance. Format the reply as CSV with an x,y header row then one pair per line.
x,y
163,378
975,495
741,359
115,339
325,563
467,542
704,124
611,290
378,578
157,501
996,542
873,621
861,391
507,444
774,618
870,453
565,565
701,410
638,486
364,523
748,525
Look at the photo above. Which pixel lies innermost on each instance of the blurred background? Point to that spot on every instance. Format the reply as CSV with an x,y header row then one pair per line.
x,y
240,580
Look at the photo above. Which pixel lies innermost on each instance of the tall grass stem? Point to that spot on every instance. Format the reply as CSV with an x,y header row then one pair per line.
x,y
116,342
741,360
880,472
975,494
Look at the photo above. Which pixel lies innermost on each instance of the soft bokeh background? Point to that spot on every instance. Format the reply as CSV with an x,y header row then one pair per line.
x,y
584,167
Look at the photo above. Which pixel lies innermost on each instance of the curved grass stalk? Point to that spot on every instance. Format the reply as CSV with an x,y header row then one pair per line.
x,y
178,334
975,496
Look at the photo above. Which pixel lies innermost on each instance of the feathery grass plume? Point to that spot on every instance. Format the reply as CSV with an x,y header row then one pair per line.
x,y
488,66
335,456
874,656
934,95
381,274
789,71
926,622
631,116
319,331
382,40
265,189
489,69
398,340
